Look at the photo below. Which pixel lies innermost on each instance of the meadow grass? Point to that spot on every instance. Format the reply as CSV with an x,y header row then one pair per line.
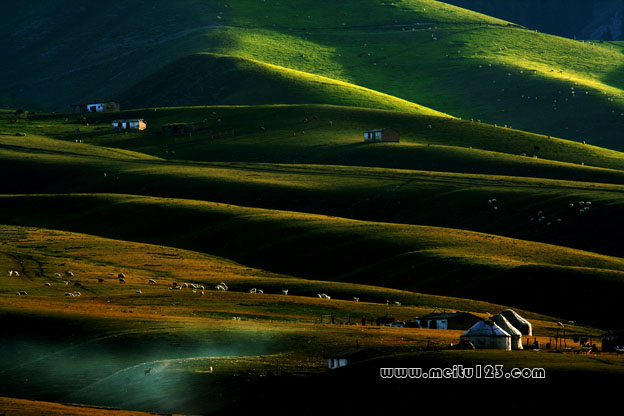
x,y
417,258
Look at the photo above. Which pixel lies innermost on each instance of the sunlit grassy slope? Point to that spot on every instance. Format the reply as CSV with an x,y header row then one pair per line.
x,y
449,59
418,258
228,80
411,182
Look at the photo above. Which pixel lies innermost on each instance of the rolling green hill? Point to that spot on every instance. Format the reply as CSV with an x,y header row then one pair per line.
x,y
446,58
433,260
208,79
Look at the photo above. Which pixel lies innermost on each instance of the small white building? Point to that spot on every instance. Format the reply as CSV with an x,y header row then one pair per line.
x,y
130,124
518,322
516,336
488,335
350,356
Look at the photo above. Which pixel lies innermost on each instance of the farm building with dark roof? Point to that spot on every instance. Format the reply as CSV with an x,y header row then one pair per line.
x,y
381,135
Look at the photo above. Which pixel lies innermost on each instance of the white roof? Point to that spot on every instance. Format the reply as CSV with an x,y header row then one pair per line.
x,y
485,329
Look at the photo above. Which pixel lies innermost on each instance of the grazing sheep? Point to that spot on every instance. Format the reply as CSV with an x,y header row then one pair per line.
x,y
69,274
48,284
10,273
121,276
100,280
224,285
284,291
67,282
260,291
174,284
253,290
356,299
77,294
571,205
15,273
138,291
149,370
57,274
323,296
202,293
219,287
69,294
185,284
151,281
397,303
123,281
22,293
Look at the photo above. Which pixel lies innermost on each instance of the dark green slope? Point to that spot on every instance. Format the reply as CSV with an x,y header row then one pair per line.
x,y
542,278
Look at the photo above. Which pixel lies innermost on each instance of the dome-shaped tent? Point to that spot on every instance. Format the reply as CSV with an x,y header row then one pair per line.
x,y
488,335
516,336
518,322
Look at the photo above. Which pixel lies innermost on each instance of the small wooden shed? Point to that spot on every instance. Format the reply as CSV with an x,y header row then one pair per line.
x,y
382,135
173,129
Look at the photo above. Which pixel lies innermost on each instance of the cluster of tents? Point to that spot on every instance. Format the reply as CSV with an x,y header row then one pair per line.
x,y
503,331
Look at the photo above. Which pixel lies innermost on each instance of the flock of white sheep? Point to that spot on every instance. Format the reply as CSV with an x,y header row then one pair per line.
x,y
195,287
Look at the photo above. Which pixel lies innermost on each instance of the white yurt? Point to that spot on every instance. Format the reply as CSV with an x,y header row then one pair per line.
x,y
488,335
516,336
518,322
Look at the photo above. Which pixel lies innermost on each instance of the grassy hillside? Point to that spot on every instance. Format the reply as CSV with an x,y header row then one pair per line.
x,y
417,258
449,59
323,134
208,79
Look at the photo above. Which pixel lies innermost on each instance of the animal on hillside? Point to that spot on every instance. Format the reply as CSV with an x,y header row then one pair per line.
x,y
323,296
224,285
100,280
356,299
149,370
122,280
220,287
57,274
48,284
121,276
253,290
284,291
152,281
69,274
139,291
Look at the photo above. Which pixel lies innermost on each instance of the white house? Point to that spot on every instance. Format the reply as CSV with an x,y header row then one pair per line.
x,y
130,124
488,335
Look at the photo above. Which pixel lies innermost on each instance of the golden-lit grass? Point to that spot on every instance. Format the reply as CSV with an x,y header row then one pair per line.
x,y
20,407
